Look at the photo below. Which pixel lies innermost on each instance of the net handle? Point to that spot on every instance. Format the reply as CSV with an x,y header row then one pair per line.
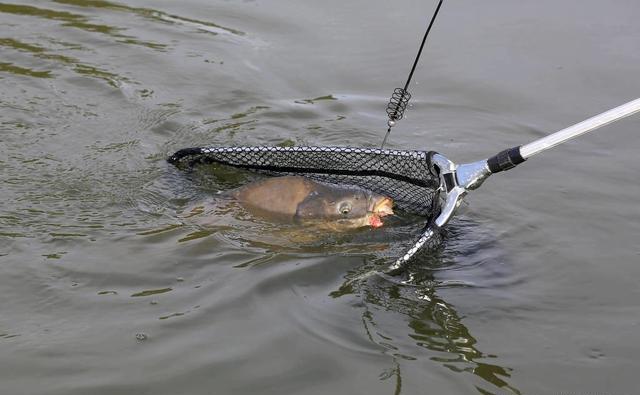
x,y
586,126
512,157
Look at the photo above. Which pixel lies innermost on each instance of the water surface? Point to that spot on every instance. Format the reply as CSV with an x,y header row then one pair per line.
x,y
106,291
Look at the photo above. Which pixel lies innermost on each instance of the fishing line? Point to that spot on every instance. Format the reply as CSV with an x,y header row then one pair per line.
x,y
400,96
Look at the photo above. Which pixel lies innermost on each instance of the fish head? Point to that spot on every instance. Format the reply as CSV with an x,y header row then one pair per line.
x,y
345,208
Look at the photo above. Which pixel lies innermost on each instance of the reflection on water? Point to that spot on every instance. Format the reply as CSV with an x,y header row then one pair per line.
x,y
88,24
17,70
77,21
153,14
432,323
42,53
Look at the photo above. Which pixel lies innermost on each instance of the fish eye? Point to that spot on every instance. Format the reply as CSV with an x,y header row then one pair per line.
x,y
344,208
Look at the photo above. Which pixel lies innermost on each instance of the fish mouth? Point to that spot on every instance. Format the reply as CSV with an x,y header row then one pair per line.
x,y
381,208
375,221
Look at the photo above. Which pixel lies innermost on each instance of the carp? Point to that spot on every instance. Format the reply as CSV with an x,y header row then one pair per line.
x,y
307,202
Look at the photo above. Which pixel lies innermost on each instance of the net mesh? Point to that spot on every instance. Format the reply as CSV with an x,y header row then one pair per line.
x,y
408,177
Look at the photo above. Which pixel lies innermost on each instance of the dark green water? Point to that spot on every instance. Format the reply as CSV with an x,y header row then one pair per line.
x,y
536,290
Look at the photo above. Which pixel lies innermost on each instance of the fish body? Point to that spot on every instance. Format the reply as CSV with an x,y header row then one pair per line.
x,y
308,202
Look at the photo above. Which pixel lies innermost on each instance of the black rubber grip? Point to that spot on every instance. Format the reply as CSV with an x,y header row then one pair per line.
x,y
505,160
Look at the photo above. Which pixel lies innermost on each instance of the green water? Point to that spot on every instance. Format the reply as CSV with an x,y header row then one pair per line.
x,y
105,290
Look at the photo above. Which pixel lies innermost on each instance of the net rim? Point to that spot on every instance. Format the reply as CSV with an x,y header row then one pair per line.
x,y
414,154
182,153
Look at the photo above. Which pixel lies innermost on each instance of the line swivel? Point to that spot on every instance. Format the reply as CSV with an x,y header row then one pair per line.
x,y
400,97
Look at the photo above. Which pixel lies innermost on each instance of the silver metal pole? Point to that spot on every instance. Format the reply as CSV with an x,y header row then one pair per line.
x,y
578,129
470,176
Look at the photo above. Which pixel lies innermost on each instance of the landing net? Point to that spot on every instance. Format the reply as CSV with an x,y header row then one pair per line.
x,y
408,177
